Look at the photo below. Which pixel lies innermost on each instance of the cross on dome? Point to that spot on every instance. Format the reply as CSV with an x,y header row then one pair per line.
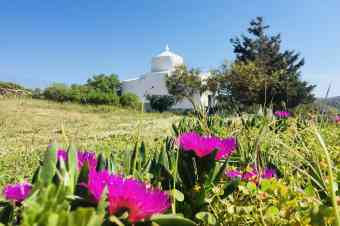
x,y
165,61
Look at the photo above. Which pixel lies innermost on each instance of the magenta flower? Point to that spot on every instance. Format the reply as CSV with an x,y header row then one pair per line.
x,y
82,157
251,175
89,157
17,192
61,154
337,119
282,114
96,183
226,148
141,201
268,173
204,145
233,174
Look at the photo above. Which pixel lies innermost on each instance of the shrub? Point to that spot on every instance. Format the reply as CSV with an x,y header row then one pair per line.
x,y
130,100
57,92
161,102
11,85
37,93
104,83
98,97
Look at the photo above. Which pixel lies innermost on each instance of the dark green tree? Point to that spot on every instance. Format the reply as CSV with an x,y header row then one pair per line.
x,y
161,103
263,73
184,83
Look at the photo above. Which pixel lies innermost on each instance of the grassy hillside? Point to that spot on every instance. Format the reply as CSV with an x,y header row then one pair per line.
x,y
27,126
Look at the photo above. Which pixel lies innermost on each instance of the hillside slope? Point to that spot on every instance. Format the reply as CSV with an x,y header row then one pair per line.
x,y
27,126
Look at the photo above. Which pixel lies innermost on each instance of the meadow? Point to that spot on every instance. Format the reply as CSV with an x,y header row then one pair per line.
x,y
27,126
165,169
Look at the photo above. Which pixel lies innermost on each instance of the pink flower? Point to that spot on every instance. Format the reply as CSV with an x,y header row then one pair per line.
x,y
141,201
205,145
268,173
61,154
282,114
17,192
97,181
251,174
233,174
337,119
89,157
82,157
226,147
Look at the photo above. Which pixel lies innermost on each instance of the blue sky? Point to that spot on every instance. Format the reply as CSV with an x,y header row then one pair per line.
x,y
68,41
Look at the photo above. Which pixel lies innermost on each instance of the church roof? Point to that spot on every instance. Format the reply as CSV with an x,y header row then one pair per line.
x,y
166,61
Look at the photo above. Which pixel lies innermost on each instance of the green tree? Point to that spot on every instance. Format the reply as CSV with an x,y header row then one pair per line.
x,y
161,103
264,74
57,92
104,83
184,83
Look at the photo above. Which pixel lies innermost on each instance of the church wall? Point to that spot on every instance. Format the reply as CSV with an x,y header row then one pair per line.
x,y
155,84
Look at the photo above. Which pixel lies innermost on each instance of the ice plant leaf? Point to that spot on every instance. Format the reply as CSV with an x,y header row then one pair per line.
x,y
6,212
179,196
133,159
101,164
48,169
142,151
72,165
206,217
72,159
172,220
102,204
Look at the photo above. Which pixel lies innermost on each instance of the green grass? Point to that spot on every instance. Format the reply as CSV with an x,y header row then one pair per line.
x,y
305,151
27,126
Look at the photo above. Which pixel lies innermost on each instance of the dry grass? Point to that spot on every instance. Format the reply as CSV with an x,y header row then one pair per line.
x,y
28,126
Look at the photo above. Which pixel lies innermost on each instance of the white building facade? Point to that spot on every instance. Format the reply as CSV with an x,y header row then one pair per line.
x,y
154,82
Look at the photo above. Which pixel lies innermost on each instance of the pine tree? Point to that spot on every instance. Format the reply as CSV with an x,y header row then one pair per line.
x,y
277,78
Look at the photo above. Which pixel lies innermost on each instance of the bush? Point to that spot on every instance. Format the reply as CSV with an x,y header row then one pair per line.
x,y
104,83
11,85
98,97
130,100
57,92
37,93
161,102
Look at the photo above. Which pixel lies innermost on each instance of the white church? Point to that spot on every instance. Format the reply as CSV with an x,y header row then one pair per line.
x,y
154,82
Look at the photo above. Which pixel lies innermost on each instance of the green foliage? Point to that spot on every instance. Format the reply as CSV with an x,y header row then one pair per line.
x,y
50,207
172,220
161,102
263,73
58,92
97,97
130,100
104,83
304,153
37,93
100,90
184,83
11,85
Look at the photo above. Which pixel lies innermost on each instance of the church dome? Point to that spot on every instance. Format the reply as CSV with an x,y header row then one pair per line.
x,y
165,61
